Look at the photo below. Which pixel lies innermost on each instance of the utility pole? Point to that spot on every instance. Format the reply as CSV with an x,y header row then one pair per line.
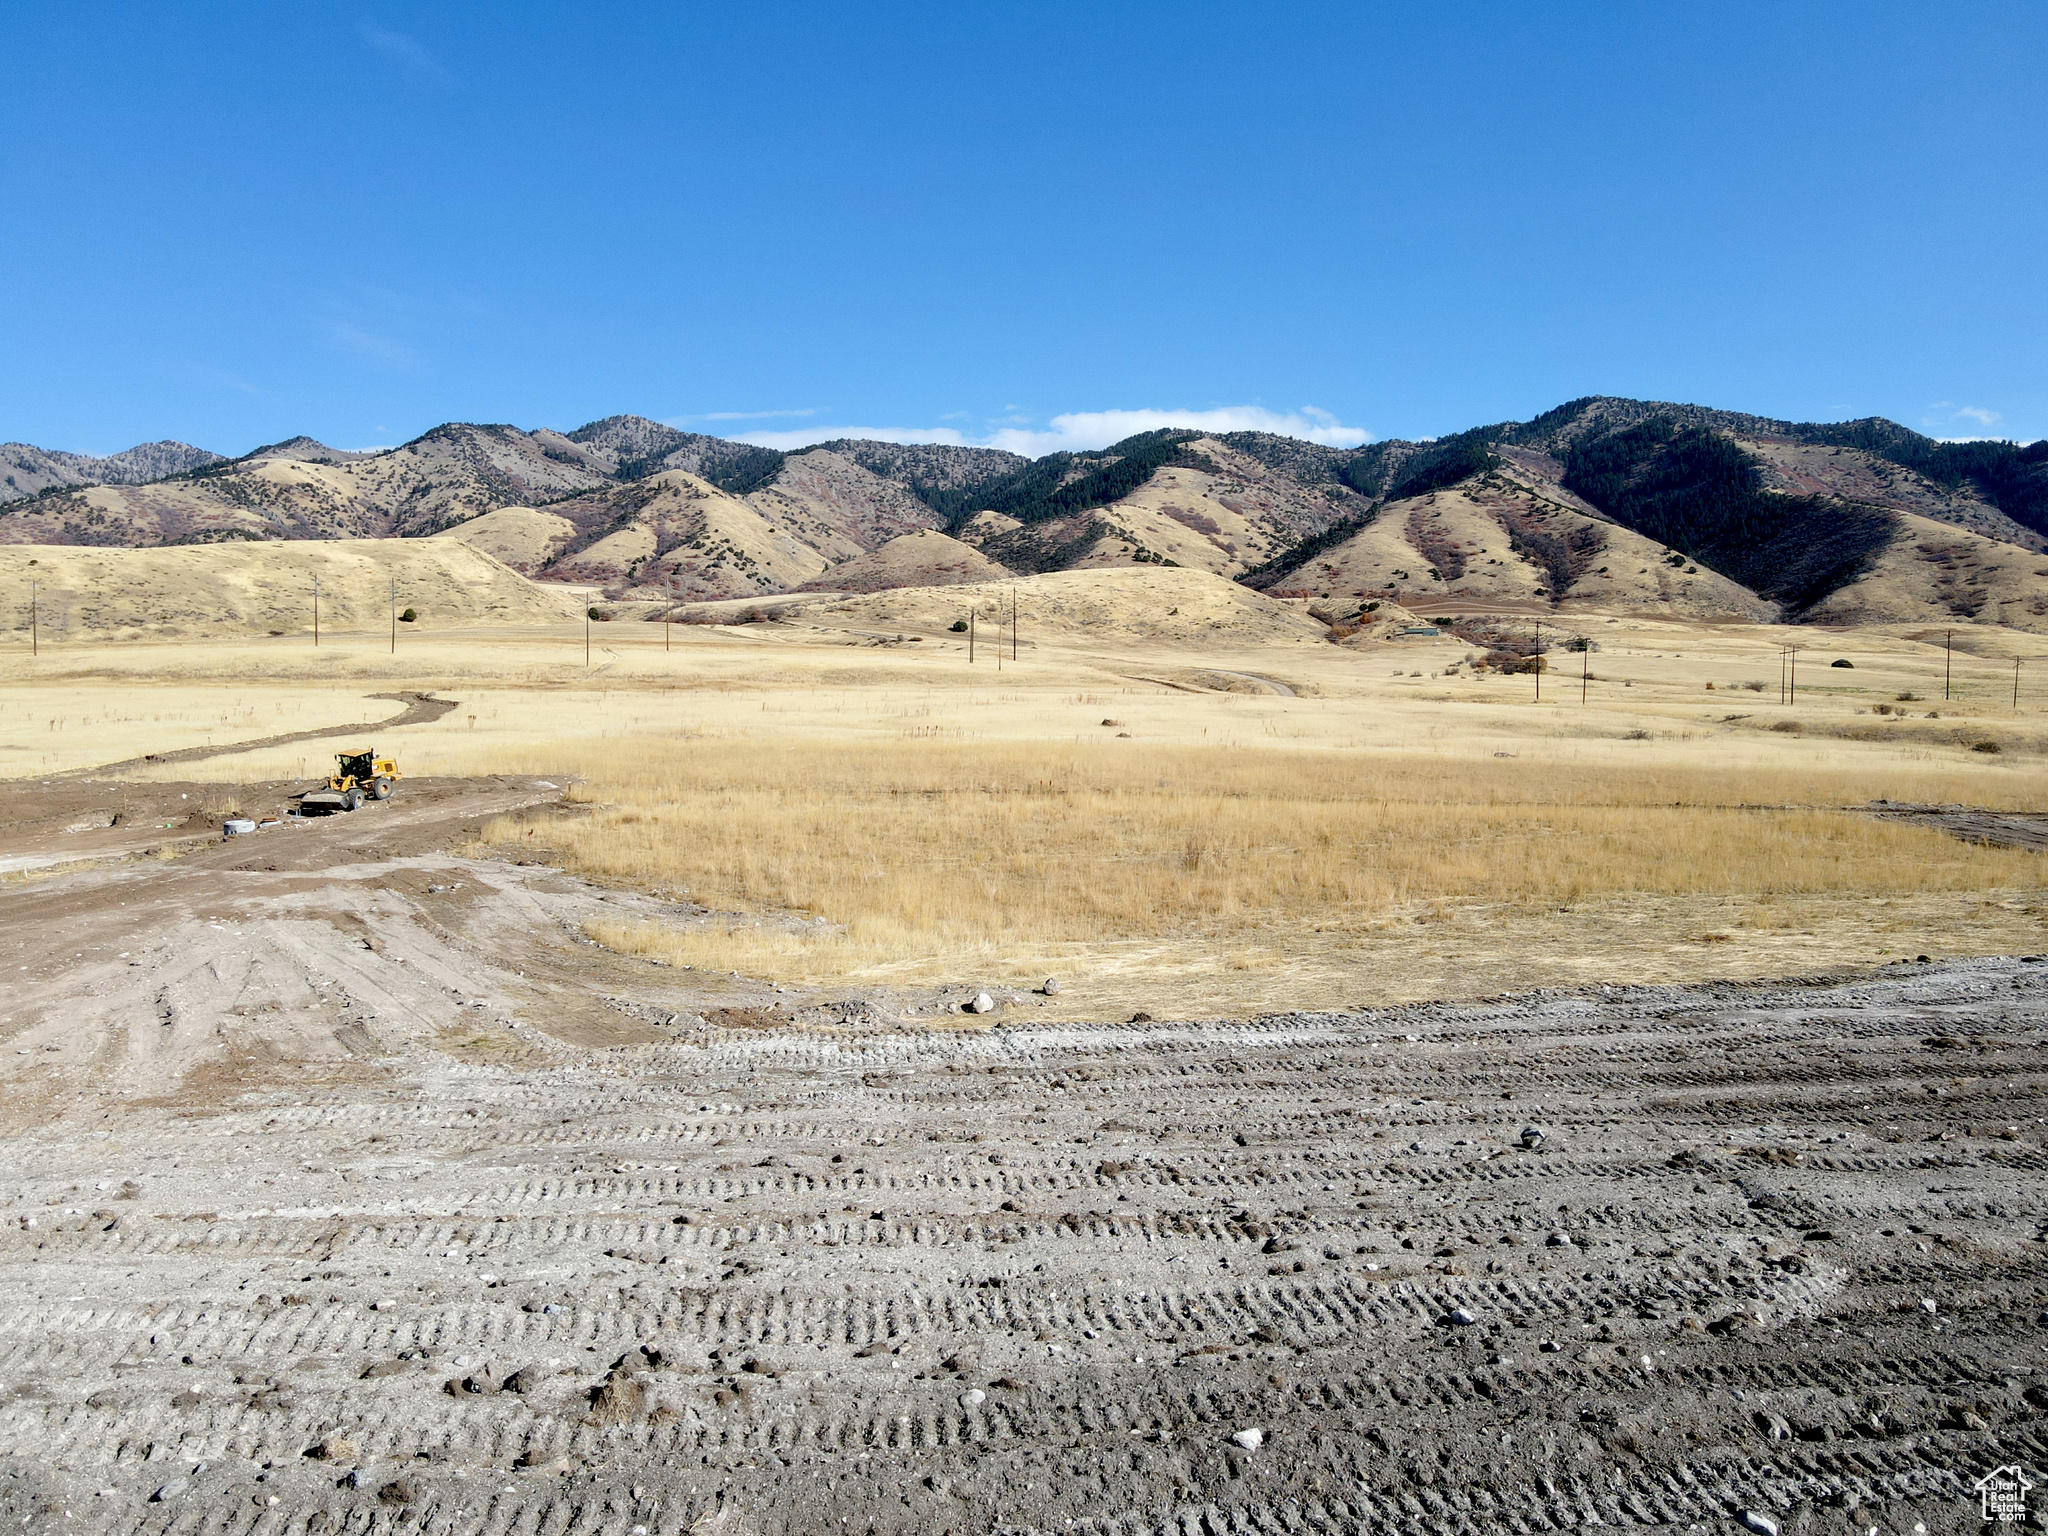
x,y
2015,682
1013,621
1585,669
1948,656
394,613
667,610
1793,652
35,638
316,612
1538,661
586,636
970,637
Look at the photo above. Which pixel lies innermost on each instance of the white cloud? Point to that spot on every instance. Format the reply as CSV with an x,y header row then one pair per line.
x,y
1943,412
405,50
677,421
791,440
215,378
378,349
1077,430
1098,429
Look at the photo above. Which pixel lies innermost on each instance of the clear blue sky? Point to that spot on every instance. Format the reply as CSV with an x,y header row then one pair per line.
x,y
229,224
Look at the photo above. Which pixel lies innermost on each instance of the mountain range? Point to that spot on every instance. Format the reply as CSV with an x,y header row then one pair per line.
x,y
1602,502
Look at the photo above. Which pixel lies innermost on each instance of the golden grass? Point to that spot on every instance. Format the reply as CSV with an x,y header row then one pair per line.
x,y
916,858
1394,831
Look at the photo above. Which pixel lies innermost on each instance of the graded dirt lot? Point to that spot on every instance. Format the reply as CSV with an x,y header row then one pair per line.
x,y
1646,1257
1456,1114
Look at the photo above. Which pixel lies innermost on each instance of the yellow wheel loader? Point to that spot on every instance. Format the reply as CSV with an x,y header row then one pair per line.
x,y
358,776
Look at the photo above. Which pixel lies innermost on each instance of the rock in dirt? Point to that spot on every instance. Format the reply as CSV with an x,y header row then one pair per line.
x,y
1463,1317
974,1397
1250,1439
1051,987
982,1003
1531,1137
169,1491
1757,1521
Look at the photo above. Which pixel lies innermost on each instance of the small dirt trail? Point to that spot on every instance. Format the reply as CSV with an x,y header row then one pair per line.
x,y
1264,684
1269,682
421,709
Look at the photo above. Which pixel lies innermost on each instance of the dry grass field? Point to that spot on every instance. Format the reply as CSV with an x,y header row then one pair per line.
x,y
1247,876
1195,811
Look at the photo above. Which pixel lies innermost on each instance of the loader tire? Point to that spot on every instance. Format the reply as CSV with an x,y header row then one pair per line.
x,y
351,799
381,787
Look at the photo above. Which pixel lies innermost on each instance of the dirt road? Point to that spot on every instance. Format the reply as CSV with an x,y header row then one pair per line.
x,y
420,709
348,1187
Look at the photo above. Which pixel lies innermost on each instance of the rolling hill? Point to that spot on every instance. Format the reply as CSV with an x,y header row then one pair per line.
x,y
670,533
241,589
1602,502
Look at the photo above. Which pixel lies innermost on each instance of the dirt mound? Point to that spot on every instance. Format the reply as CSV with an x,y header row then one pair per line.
x,y
922,559
1143,603
263,587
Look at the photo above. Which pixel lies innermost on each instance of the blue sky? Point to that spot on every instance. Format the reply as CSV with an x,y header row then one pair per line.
x,y
1036,225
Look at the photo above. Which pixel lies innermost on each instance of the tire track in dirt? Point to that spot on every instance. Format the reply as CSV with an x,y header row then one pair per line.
x,y
1037,1279
421,709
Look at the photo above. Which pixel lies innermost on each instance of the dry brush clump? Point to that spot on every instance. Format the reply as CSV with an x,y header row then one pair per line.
x,y
916,857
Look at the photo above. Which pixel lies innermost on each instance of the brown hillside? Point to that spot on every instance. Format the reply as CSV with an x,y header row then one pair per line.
x,y
263,588
1806,469
837,507
1937,573
27,471
922,559
1144,603
1221,511
451,473
675,533
1496,539
524,538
